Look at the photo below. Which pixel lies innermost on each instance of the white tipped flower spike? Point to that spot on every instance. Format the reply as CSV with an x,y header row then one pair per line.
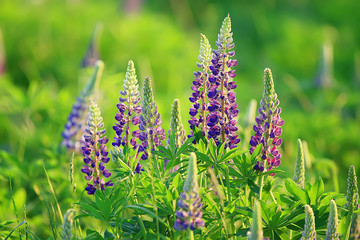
x,y
309,232
352,195
333,222
256,231
299,174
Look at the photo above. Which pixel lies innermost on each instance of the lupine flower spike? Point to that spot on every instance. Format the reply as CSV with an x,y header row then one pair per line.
x,y
95,152
299,174
222,106
67,225
352,195
355,227
151,133
198,110
256,230
189,215
74,127
268,127
309,232
129,110
176,125
333,222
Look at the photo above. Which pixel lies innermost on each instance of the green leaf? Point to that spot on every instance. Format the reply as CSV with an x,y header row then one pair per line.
x,y
316,191
108,235
253,186
256,153
295,190
93,235
15,229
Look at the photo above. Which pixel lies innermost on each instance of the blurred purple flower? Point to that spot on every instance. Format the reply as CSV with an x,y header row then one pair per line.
x,y
74,128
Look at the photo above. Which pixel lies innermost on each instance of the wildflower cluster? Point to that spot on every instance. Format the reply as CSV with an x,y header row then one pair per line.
x,y
218,85
268,127
95,152
139,136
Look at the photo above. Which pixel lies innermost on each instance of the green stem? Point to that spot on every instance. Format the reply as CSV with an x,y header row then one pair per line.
x,y
348,225
155,207
273,197
190,234
261,184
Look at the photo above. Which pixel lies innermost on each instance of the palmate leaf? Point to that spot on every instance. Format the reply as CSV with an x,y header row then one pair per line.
x,y
316,190
146,209
295,191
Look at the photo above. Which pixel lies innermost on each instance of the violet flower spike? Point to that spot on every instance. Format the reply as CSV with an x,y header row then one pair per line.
x,y
268,127
129,110
150,131
95,152
222,107
74,127
198,110
189,215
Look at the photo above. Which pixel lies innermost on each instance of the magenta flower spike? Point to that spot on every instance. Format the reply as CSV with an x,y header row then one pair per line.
x,y
268,127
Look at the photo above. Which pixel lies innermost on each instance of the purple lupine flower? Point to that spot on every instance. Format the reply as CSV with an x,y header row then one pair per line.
x,y
268,127
139,168
222,107
198,98
95,152
189,214
150,131
74,128
128,109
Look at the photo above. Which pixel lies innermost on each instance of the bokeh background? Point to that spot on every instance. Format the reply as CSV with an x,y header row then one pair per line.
x,y
312,47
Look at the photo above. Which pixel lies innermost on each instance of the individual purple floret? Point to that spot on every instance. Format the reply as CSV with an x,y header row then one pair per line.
x,y
268,127
128,109
139,168
95,152
150,131
222,106
74,127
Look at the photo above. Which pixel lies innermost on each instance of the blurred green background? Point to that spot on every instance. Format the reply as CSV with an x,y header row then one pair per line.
x,y
312,47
